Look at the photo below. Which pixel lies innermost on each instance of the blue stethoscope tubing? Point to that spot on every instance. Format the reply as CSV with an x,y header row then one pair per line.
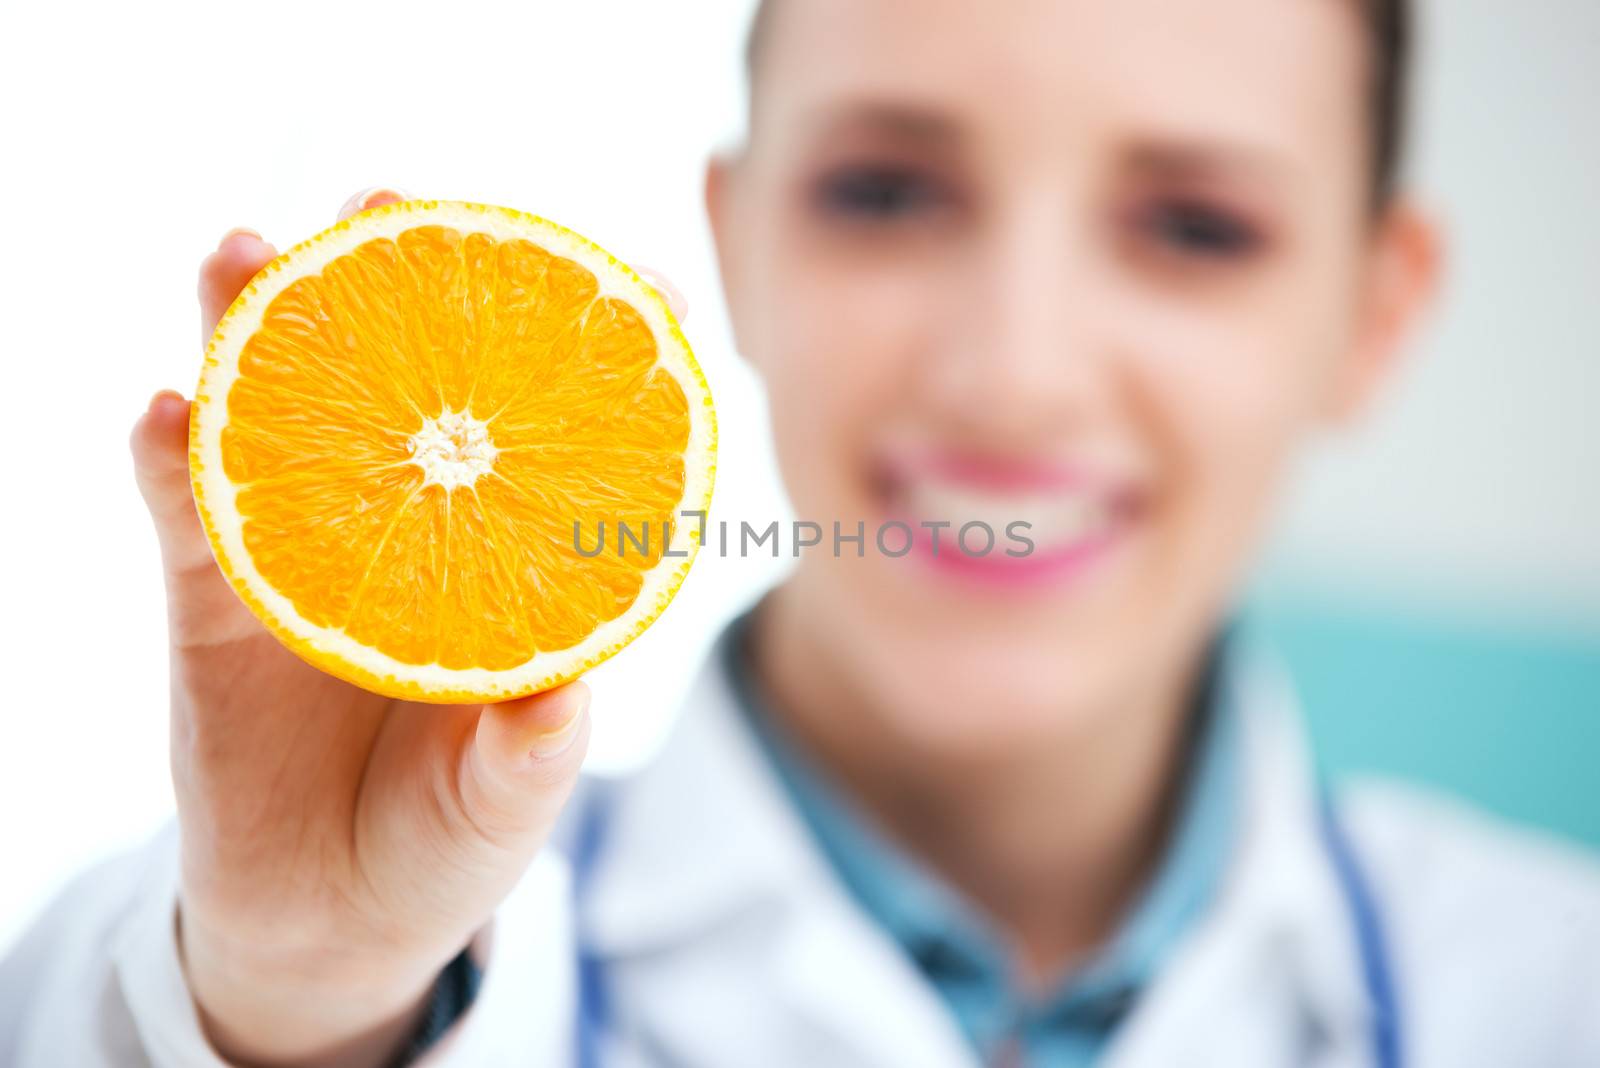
x,y
1366,919
1372,943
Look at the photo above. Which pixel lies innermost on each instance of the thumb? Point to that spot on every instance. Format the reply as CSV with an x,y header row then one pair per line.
x,y
522,762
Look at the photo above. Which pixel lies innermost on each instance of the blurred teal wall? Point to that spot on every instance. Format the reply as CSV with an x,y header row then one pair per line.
x,y
1505,715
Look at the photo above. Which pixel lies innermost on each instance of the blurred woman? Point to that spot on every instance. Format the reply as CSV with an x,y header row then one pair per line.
x,y
1095,269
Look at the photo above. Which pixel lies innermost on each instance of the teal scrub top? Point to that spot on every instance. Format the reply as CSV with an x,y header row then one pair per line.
x,y
958,950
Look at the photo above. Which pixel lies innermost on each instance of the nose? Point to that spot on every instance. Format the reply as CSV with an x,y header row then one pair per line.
x,y
1016,358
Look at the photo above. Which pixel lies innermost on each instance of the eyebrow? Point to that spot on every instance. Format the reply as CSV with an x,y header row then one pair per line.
x,y
1156,154
1196,159
906,122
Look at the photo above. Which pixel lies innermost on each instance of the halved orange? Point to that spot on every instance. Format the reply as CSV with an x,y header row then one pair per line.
x,y
452,452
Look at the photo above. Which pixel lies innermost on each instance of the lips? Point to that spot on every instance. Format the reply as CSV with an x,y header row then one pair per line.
x,y
1049,521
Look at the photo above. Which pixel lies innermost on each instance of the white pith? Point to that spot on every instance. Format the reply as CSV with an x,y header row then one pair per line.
x,y
452,451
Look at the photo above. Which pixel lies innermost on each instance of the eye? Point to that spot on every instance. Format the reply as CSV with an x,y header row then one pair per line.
x,y
878,193
1198,230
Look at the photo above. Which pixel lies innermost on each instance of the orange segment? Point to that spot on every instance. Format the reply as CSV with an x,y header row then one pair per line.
x,y
408,426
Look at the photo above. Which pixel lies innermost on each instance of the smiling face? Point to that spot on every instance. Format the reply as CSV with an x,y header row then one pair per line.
x,y
1093,268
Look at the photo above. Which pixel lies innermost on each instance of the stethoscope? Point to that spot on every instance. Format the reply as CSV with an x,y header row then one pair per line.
x,y
1372,943
1366,919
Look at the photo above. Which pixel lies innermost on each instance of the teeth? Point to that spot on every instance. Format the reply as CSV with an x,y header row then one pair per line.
x,y
1055,519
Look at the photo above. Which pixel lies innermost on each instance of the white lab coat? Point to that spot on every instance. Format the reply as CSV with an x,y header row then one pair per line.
x,y
727,942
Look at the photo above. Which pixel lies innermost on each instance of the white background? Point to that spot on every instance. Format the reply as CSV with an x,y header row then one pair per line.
x,y
135,134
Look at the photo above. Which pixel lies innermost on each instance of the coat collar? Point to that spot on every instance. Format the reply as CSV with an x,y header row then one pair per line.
x,y
697,837
705,863
1279,937
703,854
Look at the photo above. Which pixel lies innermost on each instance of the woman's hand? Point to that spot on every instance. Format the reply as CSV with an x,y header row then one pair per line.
x,y
338,848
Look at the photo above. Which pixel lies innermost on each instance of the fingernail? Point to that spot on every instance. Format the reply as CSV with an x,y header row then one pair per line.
x,y
161,394
552,742
676,302
383,190
363,200
237,231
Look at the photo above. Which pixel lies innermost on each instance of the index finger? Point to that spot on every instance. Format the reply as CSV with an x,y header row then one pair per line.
x,y
242,252
376,197
238,256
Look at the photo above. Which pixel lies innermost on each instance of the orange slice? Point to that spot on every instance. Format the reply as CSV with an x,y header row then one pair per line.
x,y
414,431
